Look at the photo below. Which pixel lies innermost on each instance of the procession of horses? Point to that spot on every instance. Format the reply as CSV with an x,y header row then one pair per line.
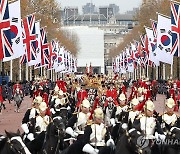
x,y
94,114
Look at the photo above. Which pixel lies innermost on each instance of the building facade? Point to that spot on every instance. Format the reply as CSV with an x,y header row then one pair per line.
x,y
114,26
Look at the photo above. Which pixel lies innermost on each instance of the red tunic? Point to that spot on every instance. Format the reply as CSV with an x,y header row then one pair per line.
x,y
113,94
17,86
81,95
172,93
62,85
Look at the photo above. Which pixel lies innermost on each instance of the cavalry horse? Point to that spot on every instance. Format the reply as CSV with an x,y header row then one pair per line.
x,y
132,143
51,141
174,145
13,144
17,99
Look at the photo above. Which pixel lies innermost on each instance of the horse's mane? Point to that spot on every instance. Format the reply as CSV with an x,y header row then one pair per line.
x,y
5,139
2,142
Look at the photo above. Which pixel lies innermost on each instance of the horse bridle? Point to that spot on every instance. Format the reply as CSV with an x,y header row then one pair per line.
x,y
58,136
18,151
139,149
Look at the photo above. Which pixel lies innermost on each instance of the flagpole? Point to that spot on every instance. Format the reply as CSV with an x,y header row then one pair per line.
x,y
30,73
41,71
27,71
164,71
44,72
143,71
11,75
157,72
147,70
51,75
172,70
140,72
20,71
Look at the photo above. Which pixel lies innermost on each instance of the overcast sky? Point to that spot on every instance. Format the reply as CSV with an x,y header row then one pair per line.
x,y
124,5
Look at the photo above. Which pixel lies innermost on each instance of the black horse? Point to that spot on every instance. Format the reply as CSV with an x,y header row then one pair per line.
x,y
50,141
132,142
172,142
12,144
54,140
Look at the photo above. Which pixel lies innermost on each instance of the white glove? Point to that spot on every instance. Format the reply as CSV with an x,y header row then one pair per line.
x,y
68,108
30,136
25,128
70,131
110,142
124,126
89,149
52,111
161,137
112,121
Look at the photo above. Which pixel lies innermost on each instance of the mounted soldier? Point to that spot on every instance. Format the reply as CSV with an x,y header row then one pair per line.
x,y
76,124
169,119
27,121
97,138
148,124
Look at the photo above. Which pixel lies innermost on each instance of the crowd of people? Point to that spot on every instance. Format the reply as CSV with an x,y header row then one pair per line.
x,y
95,112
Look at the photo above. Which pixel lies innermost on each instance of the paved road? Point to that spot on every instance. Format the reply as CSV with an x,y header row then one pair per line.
x,y
11,121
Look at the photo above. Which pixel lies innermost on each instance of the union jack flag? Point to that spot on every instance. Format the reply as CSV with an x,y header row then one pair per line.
x,y
29,39
145,51
53,54
44,48
154,27
175,27
5,35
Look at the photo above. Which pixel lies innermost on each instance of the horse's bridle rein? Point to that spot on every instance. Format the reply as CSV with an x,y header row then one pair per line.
x,y
24,148
139,149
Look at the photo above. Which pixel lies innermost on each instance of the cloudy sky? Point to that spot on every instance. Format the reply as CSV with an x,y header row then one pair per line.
x,y
124,5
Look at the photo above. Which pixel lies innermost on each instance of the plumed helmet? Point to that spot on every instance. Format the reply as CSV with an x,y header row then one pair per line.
x,y
140,90
43,106
38,99
56,89
98,113
149,105
170,103
134,101
122,97
60,92
85,103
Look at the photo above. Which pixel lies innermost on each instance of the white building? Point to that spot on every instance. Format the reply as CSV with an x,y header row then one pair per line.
x,y
91,44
